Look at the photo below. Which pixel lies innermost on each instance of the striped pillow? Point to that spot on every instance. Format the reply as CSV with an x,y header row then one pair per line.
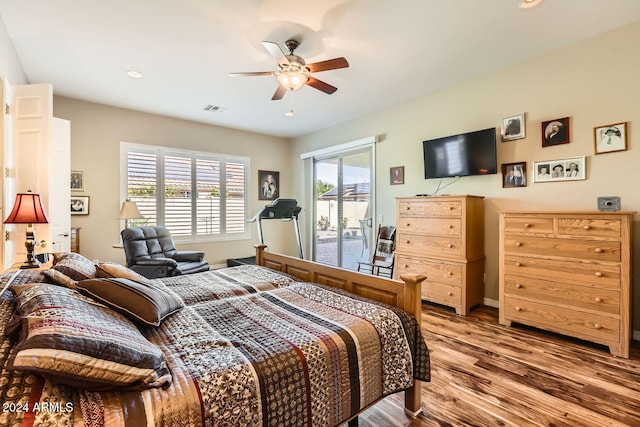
x,y
70,339
146,304
74,265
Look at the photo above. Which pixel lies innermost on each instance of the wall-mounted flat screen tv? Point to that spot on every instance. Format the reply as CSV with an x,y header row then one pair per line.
x,y
467,154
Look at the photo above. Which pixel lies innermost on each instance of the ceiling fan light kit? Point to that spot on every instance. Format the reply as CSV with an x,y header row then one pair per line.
x,y
527,4
293,72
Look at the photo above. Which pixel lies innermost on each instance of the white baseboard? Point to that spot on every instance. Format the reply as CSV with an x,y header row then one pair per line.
x,y
493,303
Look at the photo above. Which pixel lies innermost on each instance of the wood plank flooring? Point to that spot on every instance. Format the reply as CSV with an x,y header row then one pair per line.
x,y
485,374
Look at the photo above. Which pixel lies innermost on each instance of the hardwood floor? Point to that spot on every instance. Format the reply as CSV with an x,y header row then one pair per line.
x,y
485,374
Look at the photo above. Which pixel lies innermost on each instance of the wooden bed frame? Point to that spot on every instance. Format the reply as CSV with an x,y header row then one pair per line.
x,y
404,294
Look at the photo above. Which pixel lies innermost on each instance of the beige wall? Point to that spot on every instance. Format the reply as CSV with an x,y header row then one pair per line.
x,y
96,133
594,82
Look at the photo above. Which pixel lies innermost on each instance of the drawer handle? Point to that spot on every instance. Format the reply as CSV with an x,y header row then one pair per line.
x,y
518,243
408,225
407,241
408,208
449,246
598,250
587,227
598,274
450,294
451,208
450,273
518,285
598,299
597,326
527,225
518,264
406,266
518,308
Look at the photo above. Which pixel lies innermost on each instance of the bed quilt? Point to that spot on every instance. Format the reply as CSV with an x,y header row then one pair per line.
x,y
252,347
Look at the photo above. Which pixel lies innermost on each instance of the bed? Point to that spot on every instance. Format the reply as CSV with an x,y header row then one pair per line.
x,y
286,342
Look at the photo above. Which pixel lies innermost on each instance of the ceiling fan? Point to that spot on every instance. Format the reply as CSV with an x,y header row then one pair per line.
x,y
293,72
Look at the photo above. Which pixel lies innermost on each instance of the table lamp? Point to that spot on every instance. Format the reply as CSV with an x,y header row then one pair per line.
x,y
129,211
28,209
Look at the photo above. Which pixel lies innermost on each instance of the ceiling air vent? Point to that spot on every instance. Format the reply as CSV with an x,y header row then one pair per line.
x,y
214,108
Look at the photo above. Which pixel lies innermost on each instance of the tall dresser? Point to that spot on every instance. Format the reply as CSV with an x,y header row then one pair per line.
x,y
568,272
442,237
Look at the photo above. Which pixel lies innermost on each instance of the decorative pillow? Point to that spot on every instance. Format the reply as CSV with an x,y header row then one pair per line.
x,y
143,303
74,265
71,339
111,269
60,279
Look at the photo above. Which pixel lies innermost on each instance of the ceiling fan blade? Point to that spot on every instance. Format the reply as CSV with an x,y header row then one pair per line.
x,y
275,51
280,91
329,64
322,86
252,73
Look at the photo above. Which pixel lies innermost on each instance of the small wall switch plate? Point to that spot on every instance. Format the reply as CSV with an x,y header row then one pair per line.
x,y
609,203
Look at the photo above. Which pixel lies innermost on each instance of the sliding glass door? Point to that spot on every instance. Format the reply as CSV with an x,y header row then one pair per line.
x,y
343,208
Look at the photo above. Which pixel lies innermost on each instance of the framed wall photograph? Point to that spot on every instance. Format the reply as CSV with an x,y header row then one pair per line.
x,y
77,181
513,128
514,175
269,185
396,175
571,169
79,205
555,132
610,138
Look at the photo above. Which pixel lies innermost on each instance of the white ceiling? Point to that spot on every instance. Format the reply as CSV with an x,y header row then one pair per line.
x,y
397,50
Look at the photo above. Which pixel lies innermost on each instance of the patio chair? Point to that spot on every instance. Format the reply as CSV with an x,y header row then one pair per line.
x,y
381,262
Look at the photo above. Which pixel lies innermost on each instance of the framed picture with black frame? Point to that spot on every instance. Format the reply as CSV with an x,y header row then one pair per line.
x,y
269,185
79,205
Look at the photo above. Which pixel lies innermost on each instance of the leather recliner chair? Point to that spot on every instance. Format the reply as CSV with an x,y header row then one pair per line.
x,y
151,252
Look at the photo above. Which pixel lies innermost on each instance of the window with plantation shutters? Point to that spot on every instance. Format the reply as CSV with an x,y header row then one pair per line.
x,y
196,195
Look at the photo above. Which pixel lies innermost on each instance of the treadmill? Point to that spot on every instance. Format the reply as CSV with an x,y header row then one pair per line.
x,y
282,209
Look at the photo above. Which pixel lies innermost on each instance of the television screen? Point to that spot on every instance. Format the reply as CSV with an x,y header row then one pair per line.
x,y
472,153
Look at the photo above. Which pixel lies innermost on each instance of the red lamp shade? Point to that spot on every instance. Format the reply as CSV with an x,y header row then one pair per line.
x,y
27,209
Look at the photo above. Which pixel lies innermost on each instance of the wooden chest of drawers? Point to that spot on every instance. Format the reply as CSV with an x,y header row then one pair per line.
x,y
442,237
568,272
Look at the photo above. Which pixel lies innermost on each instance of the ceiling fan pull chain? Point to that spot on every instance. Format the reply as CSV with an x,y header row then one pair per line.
x,y
290,112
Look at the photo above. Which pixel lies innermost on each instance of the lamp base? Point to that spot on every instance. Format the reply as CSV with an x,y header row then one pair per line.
x,y
30,264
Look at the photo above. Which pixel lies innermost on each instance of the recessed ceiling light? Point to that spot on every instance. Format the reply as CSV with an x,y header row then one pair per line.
x,y
527,4
134,74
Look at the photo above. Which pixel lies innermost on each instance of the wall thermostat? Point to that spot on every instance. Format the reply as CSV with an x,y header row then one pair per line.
x,y
610,203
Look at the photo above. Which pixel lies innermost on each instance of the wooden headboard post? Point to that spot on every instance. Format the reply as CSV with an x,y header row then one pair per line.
x,y
405,294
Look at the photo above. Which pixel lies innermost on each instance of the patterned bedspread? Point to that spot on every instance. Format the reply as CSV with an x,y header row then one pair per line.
x,y
251,348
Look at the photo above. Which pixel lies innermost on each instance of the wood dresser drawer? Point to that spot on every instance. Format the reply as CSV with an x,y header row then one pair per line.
x,y
440,293
589,227
596,328
435,271
605,276
432,226
429,208
445,247
525,225
597,250
564,294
